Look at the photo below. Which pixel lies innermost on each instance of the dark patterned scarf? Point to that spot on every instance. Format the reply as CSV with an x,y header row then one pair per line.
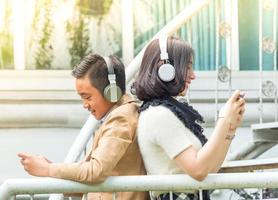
x,y
187,114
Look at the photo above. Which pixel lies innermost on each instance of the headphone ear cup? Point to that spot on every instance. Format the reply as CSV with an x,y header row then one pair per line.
x,y
112,93
166,72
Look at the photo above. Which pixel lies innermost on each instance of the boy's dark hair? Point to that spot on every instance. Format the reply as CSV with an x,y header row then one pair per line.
x,y
148,85
95,67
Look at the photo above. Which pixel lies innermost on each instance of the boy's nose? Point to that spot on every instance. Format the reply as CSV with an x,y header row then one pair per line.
x,y
85,105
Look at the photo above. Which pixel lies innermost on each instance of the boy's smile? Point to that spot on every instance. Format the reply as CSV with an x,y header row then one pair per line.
x,y
93,100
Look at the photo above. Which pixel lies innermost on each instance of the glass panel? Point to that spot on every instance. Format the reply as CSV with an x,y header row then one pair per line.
x,y
203,38
154,14
61,32
58,33
6,36
249,35
268,33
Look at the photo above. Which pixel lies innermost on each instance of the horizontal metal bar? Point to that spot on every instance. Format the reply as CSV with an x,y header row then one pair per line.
x,y
140,183
249,165
264,126
251,151
37,197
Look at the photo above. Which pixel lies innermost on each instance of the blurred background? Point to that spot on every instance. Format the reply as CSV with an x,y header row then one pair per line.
x,y
55,34
235,43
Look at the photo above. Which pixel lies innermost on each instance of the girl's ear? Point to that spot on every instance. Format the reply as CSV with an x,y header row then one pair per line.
x,y
182,92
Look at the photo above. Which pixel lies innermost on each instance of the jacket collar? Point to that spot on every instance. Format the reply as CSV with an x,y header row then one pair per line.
x,y
125,99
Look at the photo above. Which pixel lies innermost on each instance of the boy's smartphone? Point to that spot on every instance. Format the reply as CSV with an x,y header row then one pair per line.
x,y
241,95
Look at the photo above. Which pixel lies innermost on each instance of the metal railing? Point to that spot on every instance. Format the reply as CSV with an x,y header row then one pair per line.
x,y
10,188
168,183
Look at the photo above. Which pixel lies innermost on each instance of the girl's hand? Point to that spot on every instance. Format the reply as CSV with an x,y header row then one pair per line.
x,y
233,110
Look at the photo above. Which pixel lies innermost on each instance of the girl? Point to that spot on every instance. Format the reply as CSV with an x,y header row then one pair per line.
x,y
169,135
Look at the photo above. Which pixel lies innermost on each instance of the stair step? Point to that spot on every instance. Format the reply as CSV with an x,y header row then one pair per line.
x,y
249,165
268,125
265,132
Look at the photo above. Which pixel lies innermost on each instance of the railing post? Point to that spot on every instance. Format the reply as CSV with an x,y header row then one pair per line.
x,y
114,196
171,195
200,194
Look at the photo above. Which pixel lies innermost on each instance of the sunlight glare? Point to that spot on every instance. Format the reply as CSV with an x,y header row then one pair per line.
x,y
19,34
2,7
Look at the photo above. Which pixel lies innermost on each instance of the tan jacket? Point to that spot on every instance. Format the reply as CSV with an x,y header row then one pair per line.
x,y
115,152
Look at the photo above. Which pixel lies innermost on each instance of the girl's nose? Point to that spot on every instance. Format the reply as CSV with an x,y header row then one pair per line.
x,y
193,76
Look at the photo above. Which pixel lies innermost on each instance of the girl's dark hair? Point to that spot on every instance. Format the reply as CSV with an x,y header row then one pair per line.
x,y
148,85
95,67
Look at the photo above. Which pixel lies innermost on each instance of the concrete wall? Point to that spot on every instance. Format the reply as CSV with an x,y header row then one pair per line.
x,y
48,98
41,113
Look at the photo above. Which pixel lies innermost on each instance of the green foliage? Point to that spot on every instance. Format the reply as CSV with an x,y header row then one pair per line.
x,y
6,41
78,35
95,8
6,50
44,53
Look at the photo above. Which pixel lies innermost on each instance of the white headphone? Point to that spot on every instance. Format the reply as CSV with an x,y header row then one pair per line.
x,y
111,92
166,72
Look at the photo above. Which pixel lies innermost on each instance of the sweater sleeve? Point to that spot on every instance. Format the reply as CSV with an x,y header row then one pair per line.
x,y
116,138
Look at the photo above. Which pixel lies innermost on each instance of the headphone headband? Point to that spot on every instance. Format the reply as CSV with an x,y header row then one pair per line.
x,y
109,65
163,47
111,92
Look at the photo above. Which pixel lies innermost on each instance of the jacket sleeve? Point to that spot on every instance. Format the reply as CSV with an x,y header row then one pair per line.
x,y
116,138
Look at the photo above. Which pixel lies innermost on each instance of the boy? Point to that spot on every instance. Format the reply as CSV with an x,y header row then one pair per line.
x,y
115,151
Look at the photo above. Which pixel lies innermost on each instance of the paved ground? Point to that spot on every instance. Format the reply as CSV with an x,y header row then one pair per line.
x,y
50,142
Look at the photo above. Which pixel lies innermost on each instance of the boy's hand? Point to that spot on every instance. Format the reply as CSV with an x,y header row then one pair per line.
x,y
35,165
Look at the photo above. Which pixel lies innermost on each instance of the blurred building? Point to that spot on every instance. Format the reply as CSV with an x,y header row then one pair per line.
x,y
235,46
